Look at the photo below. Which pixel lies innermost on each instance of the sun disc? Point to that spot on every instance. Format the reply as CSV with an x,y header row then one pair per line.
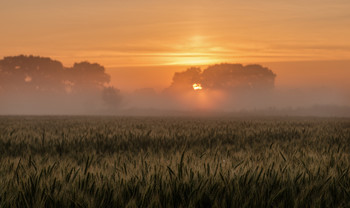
x,y
197,86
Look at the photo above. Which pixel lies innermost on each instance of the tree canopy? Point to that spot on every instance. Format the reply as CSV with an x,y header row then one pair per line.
x,y
41,74
226,77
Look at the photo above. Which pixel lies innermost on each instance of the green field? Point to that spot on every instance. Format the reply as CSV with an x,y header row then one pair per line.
x,y
174,162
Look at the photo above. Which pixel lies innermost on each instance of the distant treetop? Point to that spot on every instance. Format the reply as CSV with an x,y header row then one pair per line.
x,y
42,74
227,77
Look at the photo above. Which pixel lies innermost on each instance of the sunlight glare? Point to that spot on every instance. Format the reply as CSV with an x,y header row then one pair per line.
x,y
197,86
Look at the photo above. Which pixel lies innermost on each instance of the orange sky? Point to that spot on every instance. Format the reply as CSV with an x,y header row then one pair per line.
x,y
157,37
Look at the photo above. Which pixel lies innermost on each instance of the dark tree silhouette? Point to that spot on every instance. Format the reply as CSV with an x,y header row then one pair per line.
x,y
35,74
111,96
226,77
40,81
238,77
87,76
183,81
29,73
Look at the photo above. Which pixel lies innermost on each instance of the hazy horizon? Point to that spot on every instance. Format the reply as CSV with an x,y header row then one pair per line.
x,y
34,85
140,46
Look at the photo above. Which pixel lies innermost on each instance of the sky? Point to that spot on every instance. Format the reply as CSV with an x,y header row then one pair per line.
x,y
142,43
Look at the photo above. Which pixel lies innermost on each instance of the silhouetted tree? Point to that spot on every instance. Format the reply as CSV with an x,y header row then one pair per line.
x,y
87,76
111,96
41,81
226,77
183,81
39,74
29,73
238,77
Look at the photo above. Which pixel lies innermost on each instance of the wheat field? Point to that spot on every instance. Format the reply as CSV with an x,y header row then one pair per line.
x,y
67,161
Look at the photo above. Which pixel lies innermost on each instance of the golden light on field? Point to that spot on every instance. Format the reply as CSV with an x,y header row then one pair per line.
x,y
197,86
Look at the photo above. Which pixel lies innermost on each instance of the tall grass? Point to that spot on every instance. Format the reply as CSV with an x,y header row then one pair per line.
x,y
174,162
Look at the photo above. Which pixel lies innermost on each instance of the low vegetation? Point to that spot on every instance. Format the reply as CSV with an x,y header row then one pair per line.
x,y
174,162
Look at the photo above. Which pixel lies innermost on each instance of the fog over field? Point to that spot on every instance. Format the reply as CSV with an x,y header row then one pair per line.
x,y
43,86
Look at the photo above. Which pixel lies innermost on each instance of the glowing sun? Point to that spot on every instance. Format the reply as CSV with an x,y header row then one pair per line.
x,y
197,86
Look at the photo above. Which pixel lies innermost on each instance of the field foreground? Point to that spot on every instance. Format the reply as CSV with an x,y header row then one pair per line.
x,y
174,162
